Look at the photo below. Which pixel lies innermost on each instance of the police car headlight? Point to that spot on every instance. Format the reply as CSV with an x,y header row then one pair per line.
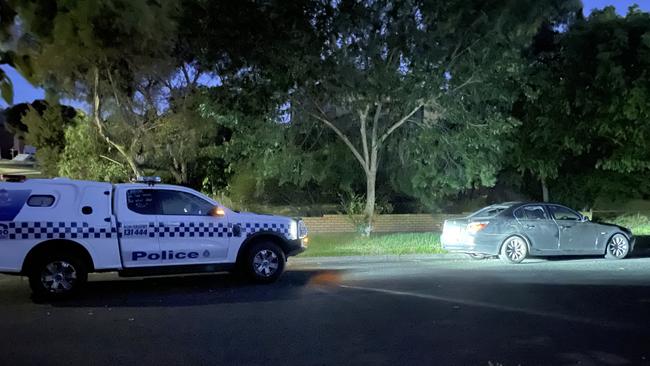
x,y
302,229
293,229
297,229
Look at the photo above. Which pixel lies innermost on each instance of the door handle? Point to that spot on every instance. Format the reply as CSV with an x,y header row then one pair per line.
x,y
566,226
530,226
172,224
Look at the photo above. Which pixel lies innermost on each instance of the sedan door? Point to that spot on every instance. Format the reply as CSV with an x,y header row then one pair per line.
x,y
576,236
538,228
188,233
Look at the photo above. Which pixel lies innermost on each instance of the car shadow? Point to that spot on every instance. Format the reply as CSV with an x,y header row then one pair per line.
x,y
195,289
641,246
641,250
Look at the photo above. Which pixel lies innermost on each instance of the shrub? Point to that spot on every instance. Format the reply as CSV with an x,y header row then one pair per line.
x,y
639,224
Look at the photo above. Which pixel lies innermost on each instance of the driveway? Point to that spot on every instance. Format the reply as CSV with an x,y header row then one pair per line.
x,y
346,311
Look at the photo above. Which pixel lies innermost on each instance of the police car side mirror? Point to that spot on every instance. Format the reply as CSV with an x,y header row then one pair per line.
x,y
217,211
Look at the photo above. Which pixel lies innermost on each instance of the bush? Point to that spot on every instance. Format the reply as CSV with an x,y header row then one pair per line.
x,y
85,156
639,224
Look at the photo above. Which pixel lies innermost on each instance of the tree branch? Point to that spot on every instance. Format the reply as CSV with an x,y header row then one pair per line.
x,y
399,123
344,138
470,80
100,124
363,115
187,75
375,124
374,143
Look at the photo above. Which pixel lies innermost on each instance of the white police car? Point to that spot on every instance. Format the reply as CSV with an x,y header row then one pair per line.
x,y
56,231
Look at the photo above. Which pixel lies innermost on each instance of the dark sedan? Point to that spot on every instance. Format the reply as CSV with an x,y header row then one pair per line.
x,y
515,230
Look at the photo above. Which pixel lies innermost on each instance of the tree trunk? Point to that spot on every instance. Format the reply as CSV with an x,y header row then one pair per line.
x,y
544,191
369,211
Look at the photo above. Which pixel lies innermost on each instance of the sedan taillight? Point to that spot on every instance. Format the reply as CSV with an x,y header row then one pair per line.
x,y
475,227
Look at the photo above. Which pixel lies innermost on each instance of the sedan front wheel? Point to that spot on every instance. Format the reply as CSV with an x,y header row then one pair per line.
x,y
618,247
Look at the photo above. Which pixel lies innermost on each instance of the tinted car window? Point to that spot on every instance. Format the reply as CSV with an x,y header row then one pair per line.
x,y
531,213
40,201
563,213
182,203
142,201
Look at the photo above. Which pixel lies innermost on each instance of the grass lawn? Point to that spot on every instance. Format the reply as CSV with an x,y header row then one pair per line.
x,y
639,224
324,245
9,167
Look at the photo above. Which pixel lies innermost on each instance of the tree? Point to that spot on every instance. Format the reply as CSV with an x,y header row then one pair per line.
x,y
43,126
85,156
115,52
386,65
46,132
585,108
7,16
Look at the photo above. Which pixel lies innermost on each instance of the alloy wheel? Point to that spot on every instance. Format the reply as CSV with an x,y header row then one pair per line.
x,y
59,277
618,246
265,263
515,249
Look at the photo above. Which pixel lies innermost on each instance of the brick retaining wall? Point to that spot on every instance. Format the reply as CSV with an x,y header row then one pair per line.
x,y
382,223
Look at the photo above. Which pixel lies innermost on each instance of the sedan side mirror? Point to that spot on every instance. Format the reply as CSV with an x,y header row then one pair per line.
x,y
584,219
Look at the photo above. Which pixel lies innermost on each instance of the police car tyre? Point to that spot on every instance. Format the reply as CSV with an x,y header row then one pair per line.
x,y
265,262
57,275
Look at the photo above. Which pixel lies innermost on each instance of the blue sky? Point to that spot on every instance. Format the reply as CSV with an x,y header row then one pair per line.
x,y
25,92
621,5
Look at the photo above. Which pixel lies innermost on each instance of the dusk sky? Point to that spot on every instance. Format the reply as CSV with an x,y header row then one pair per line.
x,y
25,92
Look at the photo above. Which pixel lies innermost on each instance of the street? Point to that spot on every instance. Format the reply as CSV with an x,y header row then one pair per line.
x,y
432,310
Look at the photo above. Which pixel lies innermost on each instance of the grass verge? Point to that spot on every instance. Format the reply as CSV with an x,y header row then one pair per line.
x,y
348,244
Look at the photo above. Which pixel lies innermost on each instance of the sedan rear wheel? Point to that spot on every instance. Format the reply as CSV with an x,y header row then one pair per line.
x,y
618,247
514,250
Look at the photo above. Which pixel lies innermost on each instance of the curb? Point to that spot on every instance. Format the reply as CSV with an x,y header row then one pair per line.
x,y
379,258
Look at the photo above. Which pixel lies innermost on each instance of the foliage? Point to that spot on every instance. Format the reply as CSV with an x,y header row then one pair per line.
x,y
385,67
114,50
6,87
46,132
353,205
326,245
584,109
182,144
286,102
639,224
13,116
85,156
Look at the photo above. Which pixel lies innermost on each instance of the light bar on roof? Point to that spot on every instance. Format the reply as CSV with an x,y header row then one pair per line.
x,y
148,180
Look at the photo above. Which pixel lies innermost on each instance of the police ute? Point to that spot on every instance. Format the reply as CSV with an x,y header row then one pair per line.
x,y
56,231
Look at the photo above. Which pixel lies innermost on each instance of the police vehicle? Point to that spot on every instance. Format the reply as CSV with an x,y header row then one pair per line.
x,y
56,231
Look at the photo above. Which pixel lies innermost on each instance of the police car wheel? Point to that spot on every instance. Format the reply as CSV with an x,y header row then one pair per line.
x,y
265,262
57,276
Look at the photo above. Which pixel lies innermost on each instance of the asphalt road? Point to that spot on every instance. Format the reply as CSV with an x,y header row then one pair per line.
x,y
355,311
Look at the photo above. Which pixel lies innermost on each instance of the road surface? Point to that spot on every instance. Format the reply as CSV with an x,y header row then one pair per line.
x,y
347,311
